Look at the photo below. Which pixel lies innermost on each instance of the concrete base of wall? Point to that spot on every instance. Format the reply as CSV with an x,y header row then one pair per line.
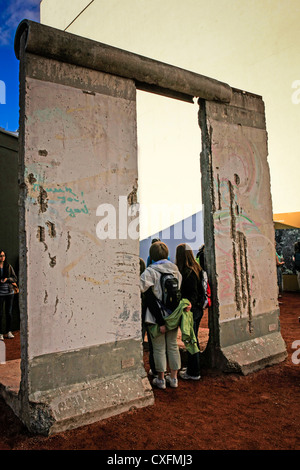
x,y
246,346
247,356
81,404
255,354
76,388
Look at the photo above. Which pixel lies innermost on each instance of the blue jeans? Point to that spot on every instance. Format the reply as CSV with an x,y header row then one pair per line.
x,y
8,301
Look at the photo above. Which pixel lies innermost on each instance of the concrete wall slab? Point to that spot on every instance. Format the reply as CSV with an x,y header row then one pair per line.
x,y
240,239
80,301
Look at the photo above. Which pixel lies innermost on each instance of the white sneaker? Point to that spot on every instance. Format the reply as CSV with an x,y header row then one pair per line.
x,y
1,337
10,335
184,375
172,382
159,383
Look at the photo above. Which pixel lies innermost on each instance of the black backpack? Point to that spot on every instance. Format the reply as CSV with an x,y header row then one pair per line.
x,y
171,295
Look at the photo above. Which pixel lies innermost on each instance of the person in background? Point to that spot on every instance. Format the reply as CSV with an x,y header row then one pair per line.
x,y
279,264
7,277
200,257
191,289
149,260
147,346
165,347
142,269
296,260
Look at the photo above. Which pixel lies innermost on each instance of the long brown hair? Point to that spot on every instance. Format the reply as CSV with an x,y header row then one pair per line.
x,y
185,259
5,265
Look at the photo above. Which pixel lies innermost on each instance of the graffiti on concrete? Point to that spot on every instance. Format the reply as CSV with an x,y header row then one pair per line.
x,y
73,204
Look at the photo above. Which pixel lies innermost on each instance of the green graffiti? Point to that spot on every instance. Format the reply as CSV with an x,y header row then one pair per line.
x,y
67,196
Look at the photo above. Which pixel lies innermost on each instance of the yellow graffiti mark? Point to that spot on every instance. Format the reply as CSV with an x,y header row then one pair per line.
x,y
60,137
91,279
95,134
94,281
67,269
74,110
91,237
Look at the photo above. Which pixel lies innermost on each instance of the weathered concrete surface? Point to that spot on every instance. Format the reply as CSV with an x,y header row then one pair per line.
x,y
53,43
81,404
69,406
79,153
80,299
80,302
244,325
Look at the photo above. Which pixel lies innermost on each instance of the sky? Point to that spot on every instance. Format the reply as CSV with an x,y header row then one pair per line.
x,y
12,12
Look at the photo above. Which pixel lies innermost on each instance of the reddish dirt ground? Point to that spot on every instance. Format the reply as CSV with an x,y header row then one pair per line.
x,y
220,412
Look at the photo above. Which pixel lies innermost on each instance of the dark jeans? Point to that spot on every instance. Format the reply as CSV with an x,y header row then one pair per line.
x,y
279,278
8,301
151,358
150,301
193,360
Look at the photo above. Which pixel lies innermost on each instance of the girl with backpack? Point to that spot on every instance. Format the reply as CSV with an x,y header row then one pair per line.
x,y
191,289
165,347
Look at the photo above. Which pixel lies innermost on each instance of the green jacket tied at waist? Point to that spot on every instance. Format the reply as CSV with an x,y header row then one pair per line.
x,y
183,319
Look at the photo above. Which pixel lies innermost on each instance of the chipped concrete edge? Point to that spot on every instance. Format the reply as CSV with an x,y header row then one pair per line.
x,y
76,405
